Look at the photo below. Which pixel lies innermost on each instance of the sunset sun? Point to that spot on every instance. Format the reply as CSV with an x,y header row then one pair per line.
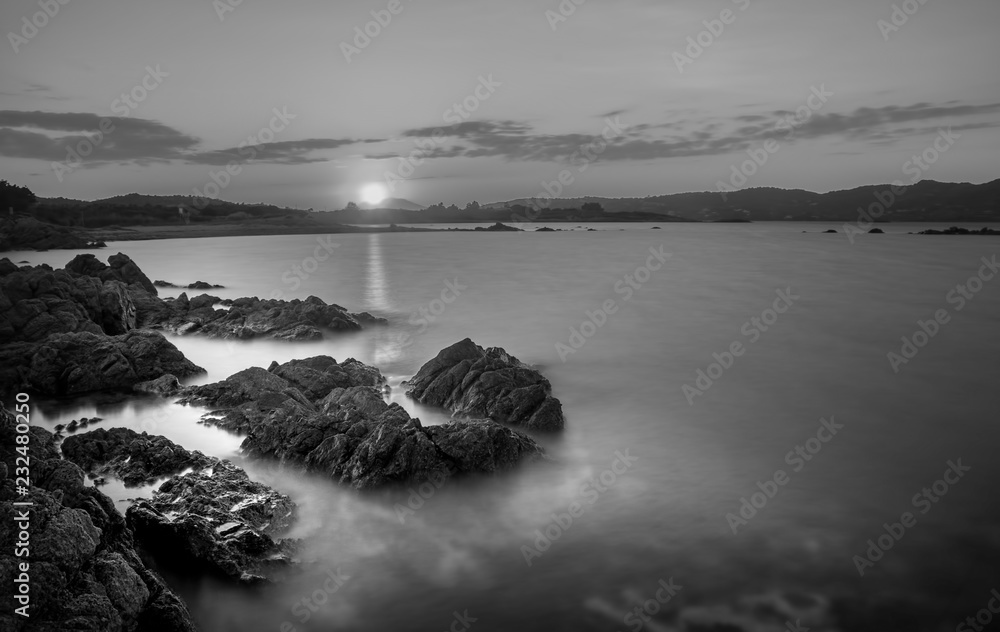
x,y
373,193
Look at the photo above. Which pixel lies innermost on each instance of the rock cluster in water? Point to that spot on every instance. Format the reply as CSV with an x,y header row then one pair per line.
x,y
331,417
251,317
208,517
477,382
955,230
85,572
88,328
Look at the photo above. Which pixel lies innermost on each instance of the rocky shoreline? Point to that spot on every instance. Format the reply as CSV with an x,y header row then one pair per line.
x,y
95,327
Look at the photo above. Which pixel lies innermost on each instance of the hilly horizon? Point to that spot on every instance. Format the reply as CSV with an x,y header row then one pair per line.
x,y
927,200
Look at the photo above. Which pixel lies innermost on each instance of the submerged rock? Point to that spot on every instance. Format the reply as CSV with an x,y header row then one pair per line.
x,y
477,382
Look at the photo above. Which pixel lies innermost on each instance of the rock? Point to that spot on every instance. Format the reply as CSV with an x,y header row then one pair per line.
x,y
830,231
202,301
83,563
120,268
216,520
22,233
201,285
137,459
252,318
332,418
72,363
90,296
498,227
224,493
7,267
544,229
876,231
123,586
955,230
299,332
315,377
37,302
164,386
211,519
159,283
477,382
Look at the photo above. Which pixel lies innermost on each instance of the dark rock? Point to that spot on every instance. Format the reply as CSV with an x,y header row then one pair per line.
x,y
72,363
498,227
137,459
201,285
22,233
315,377
876,231
120,268
477,382
36,302
86,574
332,418
213,519
7,267
252,318
202,301
829,231
955,230
159,283
163,386
216,520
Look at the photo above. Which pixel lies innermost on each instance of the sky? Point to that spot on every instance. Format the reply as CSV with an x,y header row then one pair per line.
x,y
294,104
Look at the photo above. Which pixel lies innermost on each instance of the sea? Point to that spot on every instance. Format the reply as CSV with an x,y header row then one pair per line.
x,y
767,426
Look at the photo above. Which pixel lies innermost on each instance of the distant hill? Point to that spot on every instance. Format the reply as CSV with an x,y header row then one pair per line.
x,y
925,201
393,203
135,209
515,214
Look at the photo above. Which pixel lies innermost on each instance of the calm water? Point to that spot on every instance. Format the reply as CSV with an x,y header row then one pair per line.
x,y
665,516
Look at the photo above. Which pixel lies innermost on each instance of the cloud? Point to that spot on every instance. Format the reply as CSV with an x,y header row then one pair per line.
x,y
35,91
50,135
513,140
291,152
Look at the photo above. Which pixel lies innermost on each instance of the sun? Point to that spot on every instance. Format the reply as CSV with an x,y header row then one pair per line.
x,y
373,193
